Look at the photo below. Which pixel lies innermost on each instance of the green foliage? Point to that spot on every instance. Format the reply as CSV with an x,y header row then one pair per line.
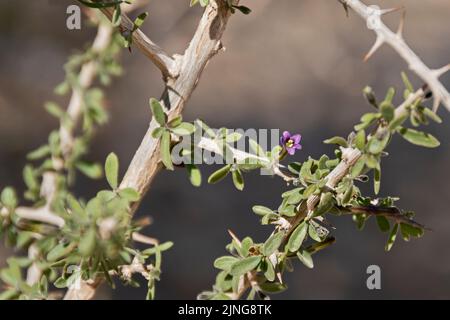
x,y
95,239
301,227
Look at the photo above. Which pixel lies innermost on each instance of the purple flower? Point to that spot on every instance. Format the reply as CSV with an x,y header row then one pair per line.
x,y
290,142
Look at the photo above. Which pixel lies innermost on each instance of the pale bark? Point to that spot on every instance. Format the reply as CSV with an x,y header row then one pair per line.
x,y
180,83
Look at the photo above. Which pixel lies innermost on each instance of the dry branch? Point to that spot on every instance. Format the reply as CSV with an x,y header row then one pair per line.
x,y
372,15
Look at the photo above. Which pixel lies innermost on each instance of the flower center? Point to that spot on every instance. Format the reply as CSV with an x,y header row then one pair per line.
x,y
290,143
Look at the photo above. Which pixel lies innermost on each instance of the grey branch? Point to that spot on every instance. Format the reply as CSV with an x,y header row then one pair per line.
x,y
372,15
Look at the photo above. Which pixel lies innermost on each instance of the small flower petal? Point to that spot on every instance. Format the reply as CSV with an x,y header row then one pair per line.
x,y
296,138
291,151
286,136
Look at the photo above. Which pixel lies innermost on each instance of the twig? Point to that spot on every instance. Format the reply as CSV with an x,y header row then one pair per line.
x,y
391,213
168,65
372,16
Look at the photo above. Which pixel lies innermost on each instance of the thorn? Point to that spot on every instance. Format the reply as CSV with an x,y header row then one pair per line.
x,y
436,103
378,43
401,24
387,11
234,237
441,71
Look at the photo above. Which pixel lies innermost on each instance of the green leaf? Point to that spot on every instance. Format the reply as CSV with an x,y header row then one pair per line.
x,y
139,21
376,180
165,150
184,129
396,122
9,294
383,224
261,210
305,258
367,119
30,178
54,109
336,140
91,170
272,287
371,161
11,276
58,252
158,111
175,122
297,237
245,265
409,230
376,146
246,243
419,138
430,114
60,283
219,174
117,16
9,198
39,153
225,262
357,168
314,231
112,170
360,139
388,111
407,83
158,132
270,270
238,179
195,176
369,94
87,243
325,205
390,95
273,243
160,248
129,194
392,237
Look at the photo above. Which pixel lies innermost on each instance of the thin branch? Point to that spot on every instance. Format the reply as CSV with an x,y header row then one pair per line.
x,y
391,213
372,15
168,65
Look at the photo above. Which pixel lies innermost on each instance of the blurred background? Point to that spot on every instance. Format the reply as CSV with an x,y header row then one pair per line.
x,y
293,65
